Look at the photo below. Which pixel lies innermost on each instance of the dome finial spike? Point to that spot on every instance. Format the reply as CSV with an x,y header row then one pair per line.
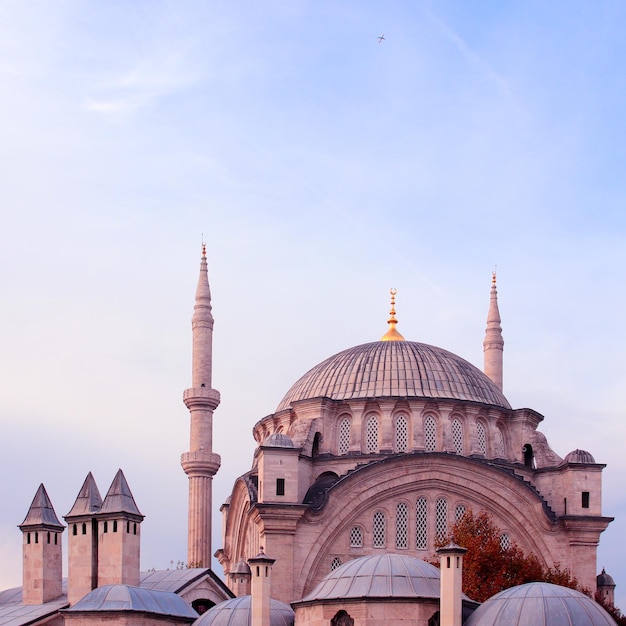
x,y
392,334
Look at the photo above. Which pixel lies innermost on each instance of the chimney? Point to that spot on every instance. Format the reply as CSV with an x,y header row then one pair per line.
x,y
261,567
451,562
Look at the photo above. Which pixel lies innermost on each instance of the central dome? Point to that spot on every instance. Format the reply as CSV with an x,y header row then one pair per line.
x,y
404,369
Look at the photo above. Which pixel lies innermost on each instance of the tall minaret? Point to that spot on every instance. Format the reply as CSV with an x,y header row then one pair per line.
x,y
200,463
494,343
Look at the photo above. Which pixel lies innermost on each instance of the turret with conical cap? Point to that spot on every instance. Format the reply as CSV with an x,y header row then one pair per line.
x,y
200,463
493,345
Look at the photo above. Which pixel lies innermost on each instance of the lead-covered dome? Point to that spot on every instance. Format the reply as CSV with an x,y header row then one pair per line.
x,y
395,369
540,603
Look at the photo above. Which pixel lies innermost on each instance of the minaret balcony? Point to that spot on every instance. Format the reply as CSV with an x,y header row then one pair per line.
x,y
201,398
200,463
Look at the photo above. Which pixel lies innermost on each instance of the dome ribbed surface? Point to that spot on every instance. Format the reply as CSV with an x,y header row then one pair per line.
x,y
238,612
379,576
278,440
579,456
395,369
534,604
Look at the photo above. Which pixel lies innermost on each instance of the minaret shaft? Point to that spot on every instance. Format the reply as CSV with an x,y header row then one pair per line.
x,y
493,345
200,463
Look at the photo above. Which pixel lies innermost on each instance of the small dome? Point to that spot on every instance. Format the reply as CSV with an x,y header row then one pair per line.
x,y
238,612
126,598
540,603
278,440
241,567
604,579
579,456
379,576
404,369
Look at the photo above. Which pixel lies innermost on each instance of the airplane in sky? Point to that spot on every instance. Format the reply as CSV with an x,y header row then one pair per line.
x,y
381,38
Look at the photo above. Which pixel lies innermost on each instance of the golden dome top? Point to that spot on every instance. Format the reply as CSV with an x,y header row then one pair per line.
x,y
392,334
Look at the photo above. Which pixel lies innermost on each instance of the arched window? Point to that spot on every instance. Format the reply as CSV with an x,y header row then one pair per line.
x,y
335,563
356,537
402,526
481,436
430,433
441,518
315,448
529,456
505,541
379,529
371,442
402,434
459,512
344,435
457,436
421,524
500,446
342,619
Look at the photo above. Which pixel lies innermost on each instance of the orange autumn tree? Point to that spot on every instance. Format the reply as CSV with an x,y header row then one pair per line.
x,y
489,567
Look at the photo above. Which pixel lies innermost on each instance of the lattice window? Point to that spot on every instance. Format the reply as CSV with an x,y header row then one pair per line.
x,y
402,526
459,512
505,541
500,447
372,434
441,518
402,434
335,563
457,436
430,433
379,529
482,438
344,435
356,537
421,524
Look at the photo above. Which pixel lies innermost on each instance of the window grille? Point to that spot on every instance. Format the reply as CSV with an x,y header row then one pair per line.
x,y
441,518
421,524
430,434
335,563
457,436
482,438
356,537
344,435
459,512
505,541
402,523
372,434
402,434
379,530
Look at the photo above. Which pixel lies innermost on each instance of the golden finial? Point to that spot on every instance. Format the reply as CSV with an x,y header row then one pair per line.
x,y
392,334
203,246
493,276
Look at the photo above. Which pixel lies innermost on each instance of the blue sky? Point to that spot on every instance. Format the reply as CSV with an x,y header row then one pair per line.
x,y
322,168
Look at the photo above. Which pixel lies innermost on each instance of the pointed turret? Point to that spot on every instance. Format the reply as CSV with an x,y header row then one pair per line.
x,y
82,571
493,345
119,523
42,558
200,463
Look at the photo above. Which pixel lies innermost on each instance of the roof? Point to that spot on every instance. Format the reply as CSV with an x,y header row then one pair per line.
x,y
395,369
540,603
126,598
18,614
119,498
238,612
278,440
88,501
176,580
41,512
379,576
579,456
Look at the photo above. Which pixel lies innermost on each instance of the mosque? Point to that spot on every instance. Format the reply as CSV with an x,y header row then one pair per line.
x,y
368,459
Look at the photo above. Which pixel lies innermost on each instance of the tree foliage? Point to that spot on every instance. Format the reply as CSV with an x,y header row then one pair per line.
x,y
490,567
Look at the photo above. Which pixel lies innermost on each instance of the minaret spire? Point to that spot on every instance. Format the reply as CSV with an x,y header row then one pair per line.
x,y
493,345
392,334
200,463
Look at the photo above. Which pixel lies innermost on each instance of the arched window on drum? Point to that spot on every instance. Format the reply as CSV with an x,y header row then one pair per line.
x,y
371,435
402,433
457,436
344,435
481,436
430,433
